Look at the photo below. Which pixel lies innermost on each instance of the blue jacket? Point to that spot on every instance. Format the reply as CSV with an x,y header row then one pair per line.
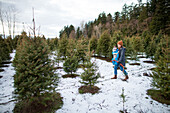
x,y
114,62
121,58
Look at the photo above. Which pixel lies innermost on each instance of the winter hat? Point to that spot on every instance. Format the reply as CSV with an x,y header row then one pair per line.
x,y
120,43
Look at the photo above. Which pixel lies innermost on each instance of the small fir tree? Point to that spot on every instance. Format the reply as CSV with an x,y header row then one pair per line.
x,y
159,48
9,43
71,47
123,96
90,75
135,44
81,49
93,44
161,74
103,44
63,42
4,51
150,51
71,64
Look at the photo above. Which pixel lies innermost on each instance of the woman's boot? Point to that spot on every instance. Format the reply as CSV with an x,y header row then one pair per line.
x,y
115,77
126,77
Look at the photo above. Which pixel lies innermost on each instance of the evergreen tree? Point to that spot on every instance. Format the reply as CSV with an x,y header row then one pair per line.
x,y
150,51
9,43
23,35
81,49
103,44
135,44
146,37
4,51
62,49
71,47
118,35
128,46
71,64
159,48
90,74
15,40
143,14
161,74
116,16
93,44
55,43
34,70
160,18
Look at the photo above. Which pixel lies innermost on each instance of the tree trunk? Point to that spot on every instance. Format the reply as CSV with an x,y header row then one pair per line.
x,y
13,26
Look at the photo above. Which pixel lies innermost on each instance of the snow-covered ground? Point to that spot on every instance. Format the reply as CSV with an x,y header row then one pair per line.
x,y
7,88
108,100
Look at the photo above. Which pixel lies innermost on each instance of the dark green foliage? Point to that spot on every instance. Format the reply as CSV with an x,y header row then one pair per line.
x,y
157,95
78,33
132,20
161,78
67,30
81,49
123,96
71,64
62,47
93,44
34,70
15,41
143,14
90,74
103,44
150,50
71,47
22,36
9,43
159,47
160,18
135,44
118,35
127,43
55,42
4,51
146,38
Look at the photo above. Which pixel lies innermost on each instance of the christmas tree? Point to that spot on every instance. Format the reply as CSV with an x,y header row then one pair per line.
x,y
89,77
4,51
93,44
103,44
71,64
150,51
62,47
90,74
34,70
161,74
81,49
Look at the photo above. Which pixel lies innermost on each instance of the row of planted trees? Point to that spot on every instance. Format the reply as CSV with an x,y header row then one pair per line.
x,y
35,79
147,45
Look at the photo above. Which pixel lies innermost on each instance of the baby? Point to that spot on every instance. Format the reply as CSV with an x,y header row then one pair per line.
x,y
115,53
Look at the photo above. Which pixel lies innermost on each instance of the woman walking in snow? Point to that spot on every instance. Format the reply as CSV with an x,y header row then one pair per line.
x,y
121,61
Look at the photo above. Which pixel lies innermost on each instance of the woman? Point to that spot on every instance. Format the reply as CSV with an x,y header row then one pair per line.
x,y
121,60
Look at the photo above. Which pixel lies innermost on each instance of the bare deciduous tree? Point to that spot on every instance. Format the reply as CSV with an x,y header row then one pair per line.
x,y
2,19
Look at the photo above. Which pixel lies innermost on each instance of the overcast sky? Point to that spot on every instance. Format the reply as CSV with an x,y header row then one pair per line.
x,y
53,15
